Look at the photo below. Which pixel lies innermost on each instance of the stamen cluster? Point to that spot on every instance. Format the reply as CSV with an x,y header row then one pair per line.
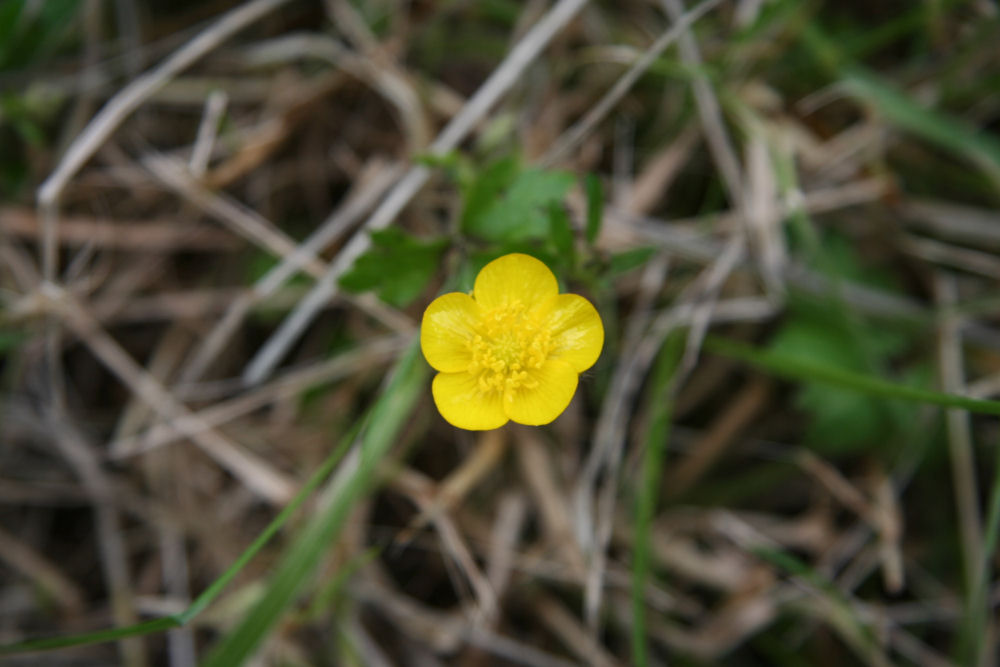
x,y
509,344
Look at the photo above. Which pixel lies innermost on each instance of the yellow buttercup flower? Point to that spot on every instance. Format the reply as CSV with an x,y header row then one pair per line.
x,y
511,351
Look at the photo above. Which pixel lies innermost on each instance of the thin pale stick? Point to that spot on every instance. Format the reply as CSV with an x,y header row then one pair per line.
x,y
208,129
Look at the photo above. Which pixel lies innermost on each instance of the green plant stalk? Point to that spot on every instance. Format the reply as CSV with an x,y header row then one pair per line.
x,y
972,637
209,594
386,419
657,437
799,369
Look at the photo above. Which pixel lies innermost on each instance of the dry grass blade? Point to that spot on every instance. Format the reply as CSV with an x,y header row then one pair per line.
x,y
159,235
963,465
453,489
262,478
241,220
593,520
574,135
127,101
730,424
286,386
708,109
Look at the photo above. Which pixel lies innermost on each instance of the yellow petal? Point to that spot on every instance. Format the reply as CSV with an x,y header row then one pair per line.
x,y
514,277
577,331
463,404
448,324
556,385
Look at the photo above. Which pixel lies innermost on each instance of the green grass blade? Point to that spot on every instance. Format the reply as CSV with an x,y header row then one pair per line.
x,y
939,128
661,411
386,420
213,591
972,640
210,593
794,368
99,637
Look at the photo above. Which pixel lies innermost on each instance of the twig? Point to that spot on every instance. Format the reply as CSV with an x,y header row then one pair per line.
x,y
208,129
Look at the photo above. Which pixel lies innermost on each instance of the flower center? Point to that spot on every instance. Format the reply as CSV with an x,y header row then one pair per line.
x,y
507,347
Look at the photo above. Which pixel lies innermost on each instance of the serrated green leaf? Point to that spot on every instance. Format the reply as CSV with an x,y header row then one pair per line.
x,y
397,266
522,212
482,192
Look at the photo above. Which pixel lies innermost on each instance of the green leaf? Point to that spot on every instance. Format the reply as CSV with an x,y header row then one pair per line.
x,y
624,262
481,192
595,206
827,331
841,420
521,213
30,34
397,266
562,234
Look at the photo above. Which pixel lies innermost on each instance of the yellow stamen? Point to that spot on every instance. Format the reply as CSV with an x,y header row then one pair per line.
x,y
509,345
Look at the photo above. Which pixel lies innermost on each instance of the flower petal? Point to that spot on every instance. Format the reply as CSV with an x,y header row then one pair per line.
x,y
448,323
556,385
514,277
577,330
461,402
